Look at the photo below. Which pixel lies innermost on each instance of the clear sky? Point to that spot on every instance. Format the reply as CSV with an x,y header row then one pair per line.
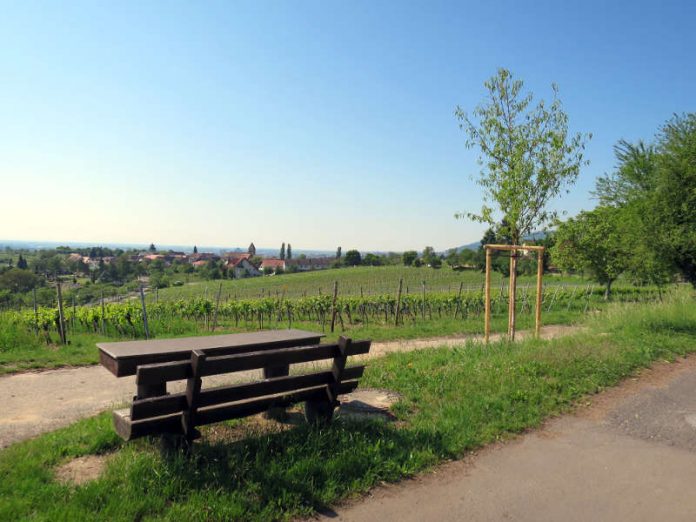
x,y
315,123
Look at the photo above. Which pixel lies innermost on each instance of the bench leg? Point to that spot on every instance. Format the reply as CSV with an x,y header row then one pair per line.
x,y
319,411
276,413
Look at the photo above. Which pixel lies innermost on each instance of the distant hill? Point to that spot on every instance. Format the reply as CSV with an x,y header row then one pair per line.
x,y
534,236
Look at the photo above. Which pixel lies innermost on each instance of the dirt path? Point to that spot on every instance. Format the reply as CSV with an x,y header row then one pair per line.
x,y
630,454
36,402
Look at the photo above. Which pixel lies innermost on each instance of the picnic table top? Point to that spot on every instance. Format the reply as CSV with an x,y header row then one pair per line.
x,y
122,358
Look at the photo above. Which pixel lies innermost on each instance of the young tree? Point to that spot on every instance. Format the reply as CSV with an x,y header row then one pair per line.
x,y
288,255
527,157
282,251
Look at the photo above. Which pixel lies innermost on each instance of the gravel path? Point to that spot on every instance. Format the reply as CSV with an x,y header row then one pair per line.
x,y
37,402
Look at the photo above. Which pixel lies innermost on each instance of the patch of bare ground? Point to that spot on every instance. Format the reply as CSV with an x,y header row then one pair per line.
x,y
81,469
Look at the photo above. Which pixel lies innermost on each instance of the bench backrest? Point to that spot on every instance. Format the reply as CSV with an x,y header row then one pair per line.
x,y
196,406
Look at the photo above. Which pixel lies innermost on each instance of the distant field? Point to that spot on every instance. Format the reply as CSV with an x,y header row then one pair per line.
x,y
351,281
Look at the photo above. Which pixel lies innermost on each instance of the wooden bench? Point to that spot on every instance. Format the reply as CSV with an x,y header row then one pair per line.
x,y
155,412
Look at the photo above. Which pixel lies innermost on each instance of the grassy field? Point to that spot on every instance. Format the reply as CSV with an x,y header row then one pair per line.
x,y
453,400
372,280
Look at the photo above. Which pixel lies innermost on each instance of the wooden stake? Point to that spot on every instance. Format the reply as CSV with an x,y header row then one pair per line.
x,y
103,314
142,302
512,305
217,305
539,289
487,315
398,301
61,316
459,300
333,306
36,312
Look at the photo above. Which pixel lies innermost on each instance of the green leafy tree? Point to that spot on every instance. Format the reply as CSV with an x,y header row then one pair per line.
x,y
22,263
353,258
282,251
289,252
371,259
674,202
152,248
338,253
527,155
17,280
195,249
655,185
594,242
409,257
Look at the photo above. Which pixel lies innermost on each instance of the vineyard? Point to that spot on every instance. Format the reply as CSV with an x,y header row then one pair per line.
x,y
126,319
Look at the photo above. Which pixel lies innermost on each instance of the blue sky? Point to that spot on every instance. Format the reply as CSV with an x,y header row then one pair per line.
x,y
315,123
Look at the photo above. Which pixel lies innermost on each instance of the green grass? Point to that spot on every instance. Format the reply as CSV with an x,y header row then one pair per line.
x,y
454,400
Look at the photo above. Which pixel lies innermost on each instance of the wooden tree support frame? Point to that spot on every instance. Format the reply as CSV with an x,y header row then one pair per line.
x,y
513,249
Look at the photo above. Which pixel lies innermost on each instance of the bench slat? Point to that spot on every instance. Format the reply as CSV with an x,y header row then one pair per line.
x,y
157,373
157,406
130,429
234,411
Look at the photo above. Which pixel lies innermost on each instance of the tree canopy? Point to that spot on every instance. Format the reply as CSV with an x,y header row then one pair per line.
x,y
527,155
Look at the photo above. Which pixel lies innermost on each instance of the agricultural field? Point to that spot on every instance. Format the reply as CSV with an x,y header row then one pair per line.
x,y
449,304
353,281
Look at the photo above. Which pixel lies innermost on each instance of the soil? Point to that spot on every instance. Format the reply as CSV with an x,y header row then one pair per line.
x,y
81,469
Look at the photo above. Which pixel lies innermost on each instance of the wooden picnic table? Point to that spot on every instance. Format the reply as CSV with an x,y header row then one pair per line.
x,y
123,358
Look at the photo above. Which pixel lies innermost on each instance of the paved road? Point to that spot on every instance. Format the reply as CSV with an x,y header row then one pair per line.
x,y
36,402
630,455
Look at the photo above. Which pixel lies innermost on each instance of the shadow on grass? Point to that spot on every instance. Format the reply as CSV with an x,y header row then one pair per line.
x,y
305,468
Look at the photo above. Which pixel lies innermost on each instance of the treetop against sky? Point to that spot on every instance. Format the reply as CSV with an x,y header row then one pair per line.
x,y
318,123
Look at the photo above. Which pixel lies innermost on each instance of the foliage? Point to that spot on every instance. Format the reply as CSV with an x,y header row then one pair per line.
x,y
655,186
595,241
18,280
409,257
352,258
527,154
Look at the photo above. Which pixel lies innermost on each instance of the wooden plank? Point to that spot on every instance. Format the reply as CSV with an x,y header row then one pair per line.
x,y
244,409
173,403
123,358
338,367
193,390
155,373
130,429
